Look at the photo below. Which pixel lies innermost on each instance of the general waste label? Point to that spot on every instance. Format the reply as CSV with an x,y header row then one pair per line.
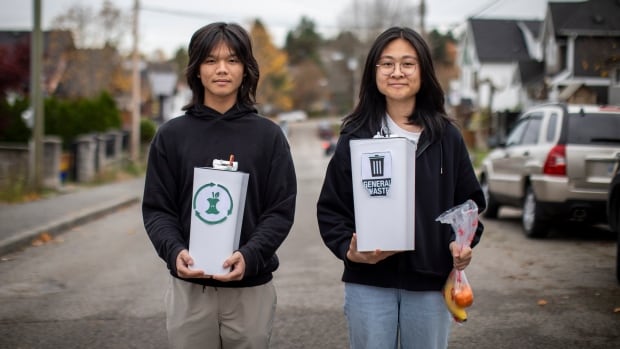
x,y
377,173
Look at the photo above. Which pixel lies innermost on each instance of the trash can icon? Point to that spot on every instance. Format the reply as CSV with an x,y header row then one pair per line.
x,y
376,165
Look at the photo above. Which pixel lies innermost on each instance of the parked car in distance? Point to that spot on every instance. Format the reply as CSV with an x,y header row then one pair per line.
x,y
613,212
556,164
292,116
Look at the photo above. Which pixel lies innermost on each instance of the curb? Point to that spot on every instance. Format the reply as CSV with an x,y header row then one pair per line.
x,y
24,238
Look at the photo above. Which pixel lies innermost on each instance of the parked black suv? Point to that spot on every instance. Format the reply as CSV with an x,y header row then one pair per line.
x,y
556,164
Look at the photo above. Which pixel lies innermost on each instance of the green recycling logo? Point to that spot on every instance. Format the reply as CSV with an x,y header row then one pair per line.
x,y
212,203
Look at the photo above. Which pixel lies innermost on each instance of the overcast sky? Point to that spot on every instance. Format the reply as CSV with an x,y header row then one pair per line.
x,y
171,29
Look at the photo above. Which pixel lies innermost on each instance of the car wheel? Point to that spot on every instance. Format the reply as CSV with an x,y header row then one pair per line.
x,y
533,224
492,206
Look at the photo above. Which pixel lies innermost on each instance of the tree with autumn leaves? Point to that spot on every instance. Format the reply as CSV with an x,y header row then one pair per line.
x,y
274,86
303,74
291,78
303,46
14,67
14,75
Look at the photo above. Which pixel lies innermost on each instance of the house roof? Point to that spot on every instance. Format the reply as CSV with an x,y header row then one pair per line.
x,y
57,45
58,39
501,40
593,17
534,26
11,37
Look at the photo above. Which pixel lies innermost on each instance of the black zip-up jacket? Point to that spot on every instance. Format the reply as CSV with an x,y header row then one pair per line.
x,y
444,178
194,140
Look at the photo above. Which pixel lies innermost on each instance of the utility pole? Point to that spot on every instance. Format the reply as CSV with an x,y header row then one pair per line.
x,y
36,99
423,18
135,89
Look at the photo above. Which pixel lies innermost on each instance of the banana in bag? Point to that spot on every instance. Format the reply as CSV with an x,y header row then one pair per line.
x,y
457,291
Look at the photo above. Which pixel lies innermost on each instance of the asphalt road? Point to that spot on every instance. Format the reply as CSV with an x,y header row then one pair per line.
x,y
101,285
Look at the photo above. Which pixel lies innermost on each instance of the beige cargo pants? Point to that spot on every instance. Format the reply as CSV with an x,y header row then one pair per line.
x,y
219,317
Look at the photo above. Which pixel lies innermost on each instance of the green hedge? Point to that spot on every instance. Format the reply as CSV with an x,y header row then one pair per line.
x,y
71,118
147,130
13,128
65,118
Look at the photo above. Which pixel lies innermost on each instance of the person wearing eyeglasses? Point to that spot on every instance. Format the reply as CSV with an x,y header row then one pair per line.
x,y
393,299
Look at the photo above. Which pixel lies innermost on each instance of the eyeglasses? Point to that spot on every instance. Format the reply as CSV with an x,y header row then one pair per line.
x,y
388,67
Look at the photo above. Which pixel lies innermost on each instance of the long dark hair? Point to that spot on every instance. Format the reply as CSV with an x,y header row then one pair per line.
x,y
238,40
429,111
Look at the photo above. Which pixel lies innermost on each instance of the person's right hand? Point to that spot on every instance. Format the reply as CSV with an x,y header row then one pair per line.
x,y
371,257
184,260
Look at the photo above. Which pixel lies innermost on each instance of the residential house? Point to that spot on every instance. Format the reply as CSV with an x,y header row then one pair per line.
x,y
90,72
162,87
572,55
69,72
490,53
581,47
58,47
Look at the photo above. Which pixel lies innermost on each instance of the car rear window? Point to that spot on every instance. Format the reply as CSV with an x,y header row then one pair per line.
x,y
599,128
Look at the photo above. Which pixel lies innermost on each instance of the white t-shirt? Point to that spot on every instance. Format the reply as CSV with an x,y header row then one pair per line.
x,y
397,130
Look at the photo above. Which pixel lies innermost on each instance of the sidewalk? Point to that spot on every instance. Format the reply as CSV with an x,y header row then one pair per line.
x,y
20,224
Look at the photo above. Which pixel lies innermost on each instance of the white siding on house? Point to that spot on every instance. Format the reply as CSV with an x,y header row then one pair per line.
x,y
506,95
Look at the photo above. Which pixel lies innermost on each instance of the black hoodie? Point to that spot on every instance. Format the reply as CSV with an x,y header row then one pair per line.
x,y
194,140
444,178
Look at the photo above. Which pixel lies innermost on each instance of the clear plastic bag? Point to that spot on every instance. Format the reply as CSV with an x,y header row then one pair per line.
x,y
457,291
464,221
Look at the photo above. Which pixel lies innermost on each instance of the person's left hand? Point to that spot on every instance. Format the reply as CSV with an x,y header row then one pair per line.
x,y
237,262
460,257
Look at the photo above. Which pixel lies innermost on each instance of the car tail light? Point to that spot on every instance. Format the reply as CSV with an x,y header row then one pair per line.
x,y
556,161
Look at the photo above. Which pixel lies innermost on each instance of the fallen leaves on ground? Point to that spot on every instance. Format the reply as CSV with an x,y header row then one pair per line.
x,y
42,239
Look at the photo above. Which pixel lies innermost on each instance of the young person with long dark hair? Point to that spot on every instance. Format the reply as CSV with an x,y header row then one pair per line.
x,y
393,298
233,310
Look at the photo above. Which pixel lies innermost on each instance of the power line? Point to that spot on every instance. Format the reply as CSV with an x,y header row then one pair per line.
x,y
485,8
180,13
214,16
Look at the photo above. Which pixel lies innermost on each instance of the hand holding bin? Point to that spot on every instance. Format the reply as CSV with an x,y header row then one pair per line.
x,y
218,202
457,291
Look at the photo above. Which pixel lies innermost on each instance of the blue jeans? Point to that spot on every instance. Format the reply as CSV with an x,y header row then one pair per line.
x,y
377,317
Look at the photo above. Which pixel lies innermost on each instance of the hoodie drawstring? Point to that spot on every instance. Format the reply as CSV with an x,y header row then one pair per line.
x,y
440,158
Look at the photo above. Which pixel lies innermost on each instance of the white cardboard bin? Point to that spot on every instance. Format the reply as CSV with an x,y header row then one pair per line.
x,y
218,201
383,172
